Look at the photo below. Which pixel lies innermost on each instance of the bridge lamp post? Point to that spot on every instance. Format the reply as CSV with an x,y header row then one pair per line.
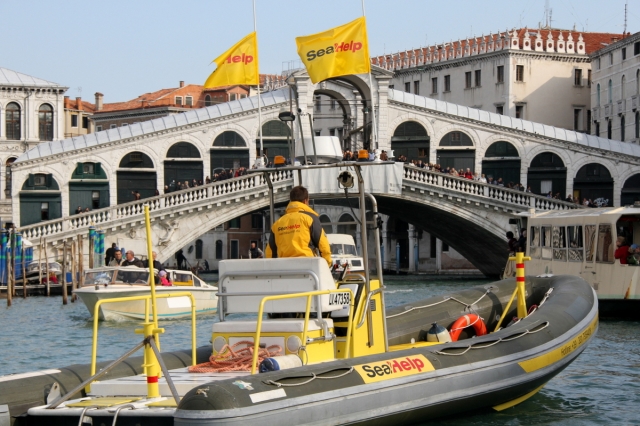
x,y
289,117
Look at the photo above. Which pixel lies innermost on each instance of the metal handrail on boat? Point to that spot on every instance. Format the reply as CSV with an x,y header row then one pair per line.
x,y
308,295
146,298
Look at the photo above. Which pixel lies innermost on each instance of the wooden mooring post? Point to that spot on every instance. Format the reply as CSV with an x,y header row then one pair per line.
x,y
74,278
64,273
24,275
9,274
40,262
46,263
80,261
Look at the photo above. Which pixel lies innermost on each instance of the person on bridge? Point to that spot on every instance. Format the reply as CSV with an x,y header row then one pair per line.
x,y
299,232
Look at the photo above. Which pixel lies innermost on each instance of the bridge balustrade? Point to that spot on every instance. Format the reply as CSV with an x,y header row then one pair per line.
x,y
470,187
185,198
189,198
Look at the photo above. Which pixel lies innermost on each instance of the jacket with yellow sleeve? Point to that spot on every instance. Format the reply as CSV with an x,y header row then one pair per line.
x,y
298,233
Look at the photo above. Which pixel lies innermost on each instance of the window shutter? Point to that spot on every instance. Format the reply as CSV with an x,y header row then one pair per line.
x,y
49,177
79,169
31,181
97,167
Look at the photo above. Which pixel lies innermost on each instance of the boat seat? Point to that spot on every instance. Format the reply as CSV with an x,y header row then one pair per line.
x,y
258,278
270,326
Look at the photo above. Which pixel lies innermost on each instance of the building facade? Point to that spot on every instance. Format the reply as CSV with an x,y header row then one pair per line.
x,y
615,97
77,117
31,112
541,75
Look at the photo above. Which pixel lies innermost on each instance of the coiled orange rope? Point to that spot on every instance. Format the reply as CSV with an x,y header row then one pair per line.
x,y
232,358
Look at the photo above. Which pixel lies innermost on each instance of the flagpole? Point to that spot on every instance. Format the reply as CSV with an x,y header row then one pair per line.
x,y
255,29
373,105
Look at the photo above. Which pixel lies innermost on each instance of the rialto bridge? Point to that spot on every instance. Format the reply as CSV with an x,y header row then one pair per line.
x,y
102,170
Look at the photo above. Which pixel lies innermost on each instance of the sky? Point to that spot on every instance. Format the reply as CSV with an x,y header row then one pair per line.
x,y
125,48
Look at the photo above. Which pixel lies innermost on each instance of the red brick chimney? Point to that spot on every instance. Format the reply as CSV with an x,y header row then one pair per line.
x,y
79,103
181,83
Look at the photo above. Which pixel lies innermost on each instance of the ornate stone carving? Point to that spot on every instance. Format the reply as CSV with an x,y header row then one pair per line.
x,y
170,227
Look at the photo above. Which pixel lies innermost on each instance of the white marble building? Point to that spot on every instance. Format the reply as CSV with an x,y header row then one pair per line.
x,y
31,111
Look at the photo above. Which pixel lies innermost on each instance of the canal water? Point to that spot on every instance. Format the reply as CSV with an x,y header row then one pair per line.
x,y
601,387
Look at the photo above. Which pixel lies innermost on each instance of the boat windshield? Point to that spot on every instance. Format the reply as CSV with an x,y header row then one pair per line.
x,y
343,249
133,275
98,277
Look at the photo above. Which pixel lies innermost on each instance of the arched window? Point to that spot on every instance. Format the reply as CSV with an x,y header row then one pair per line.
x,y
229,138
45,122
623,83
328,228
410,129
183,150
207,100
610,96
638,124
598,95
219,249
198,249
12,121
456,139
622,125
608,129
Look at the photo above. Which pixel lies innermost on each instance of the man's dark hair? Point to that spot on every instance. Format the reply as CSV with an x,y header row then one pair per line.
x,y
509,234
299,193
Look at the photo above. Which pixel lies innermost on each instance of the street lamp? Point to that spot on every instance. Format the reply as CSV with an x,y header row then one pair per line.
x,y
288,117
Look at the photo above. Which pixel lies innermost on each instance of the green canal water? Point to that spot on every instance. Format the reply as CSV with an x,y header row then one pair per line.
x,y
601,387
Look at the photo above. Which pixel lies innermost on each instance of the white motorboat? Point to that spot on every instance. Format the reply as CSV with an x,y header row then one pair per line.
x,y
115,282
33,271
344,254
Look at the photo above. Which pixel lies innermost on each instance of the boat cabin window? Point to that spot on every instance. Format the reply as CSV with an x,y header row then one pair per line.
x,y
559,243
589,241
625,227
576,251
346,249
545,242
605,244
132,275
98,277
534,242
181,277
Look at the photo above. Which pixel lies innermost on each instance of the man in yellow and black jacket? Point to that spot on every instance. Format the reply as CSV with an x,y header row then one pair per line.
x,y
299,232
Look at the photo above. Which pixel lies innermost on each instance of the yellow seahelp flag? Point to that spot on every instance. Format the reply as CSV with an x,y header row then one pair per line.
x,y
238,65
339,51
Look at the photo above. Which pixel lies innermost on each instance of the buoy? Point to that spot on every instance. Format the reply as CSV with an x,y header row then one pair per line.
x,y
465,321
277,363
438,333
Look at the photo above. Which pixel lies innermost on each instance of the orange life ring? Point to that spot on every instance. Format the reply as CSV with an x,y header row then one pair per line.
x,y
465,321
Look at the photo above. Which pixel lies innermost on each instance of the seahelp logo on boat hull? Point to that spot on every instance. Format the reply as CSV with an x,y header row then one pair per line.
x,y
393,368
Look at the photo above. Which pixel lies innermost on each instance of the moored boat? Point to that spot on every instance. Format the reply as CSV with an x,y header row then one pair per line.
x,y
108,283
582,242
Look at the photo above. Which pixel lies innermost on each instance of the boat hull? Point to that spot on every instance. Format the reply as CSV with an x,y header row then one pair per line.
x,y
455,377
167,308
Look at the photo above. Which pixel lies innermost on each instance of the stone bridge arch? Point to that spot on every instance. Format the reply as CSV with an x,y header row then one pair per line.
x,y
472,232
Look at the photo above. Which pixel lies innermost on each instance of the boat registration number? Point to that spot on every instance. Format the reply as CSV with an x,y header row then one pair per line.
x,y
339,298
